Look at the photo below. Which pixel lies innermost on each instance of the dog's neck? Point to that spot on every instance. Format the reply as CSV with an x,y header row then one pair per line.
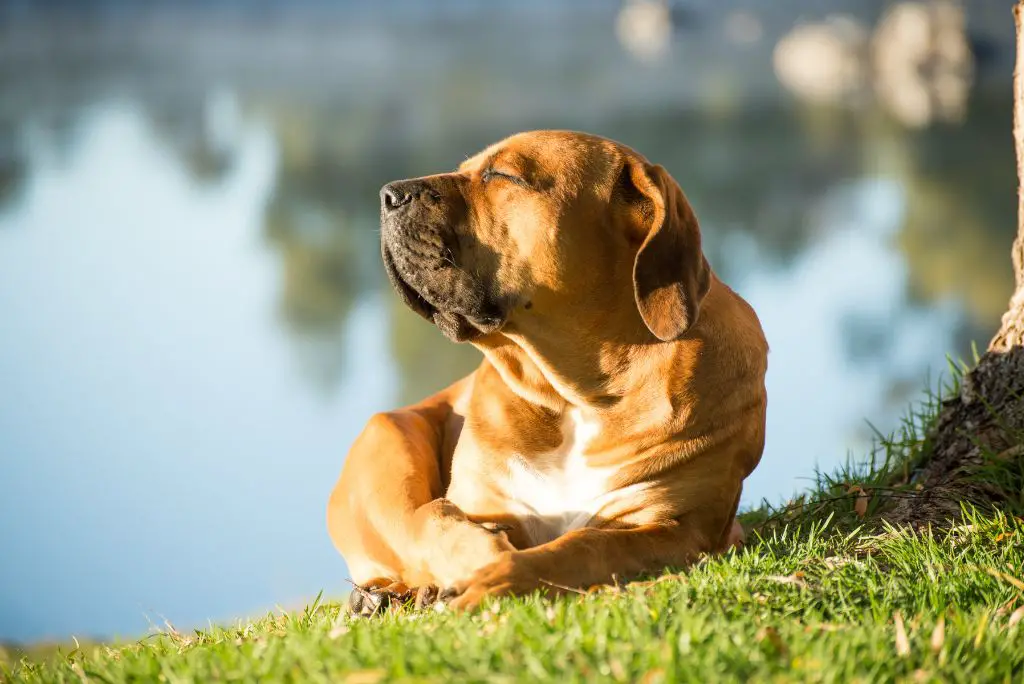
x,y
556,378
531,377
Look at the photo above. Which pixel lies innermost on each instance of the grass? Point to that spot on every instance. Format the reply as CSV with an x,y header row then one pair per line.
x,y
824,591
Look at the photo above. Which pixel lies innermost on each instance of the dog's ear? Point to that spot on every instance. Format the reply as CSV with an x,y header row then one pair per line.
x,y
670,274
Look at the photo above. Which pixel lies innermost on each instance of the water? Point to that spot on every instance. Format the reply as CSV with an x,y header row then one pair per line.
x,y
194,323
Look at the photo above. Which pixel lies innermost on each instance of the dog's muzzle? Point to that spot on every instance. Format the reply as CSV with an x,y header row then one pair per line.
x,y
419,246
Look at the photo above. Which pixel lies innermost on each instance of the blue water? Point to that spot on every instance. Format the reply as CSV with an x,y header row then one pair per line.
x,y
194,323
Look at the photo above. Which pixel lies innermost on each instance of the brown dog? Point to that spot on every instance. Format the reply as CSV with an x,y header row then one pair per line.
x,y
620,402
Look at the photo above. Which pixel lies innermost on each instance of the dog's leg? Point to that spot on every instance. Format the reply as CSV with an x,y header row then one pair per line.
x,y
581,559
586,557
386,515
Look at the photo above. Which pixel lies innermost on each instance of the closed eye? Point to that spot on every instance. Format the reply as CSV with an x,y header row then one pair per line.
x,y
489,174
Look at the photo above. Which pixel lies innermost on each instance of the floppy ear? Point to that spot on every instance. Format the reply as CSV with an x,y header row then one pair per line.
x,y
670,275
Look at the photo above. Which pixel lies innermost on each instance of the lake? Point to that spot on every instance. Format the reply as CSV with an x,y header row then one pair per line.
x,y
194,319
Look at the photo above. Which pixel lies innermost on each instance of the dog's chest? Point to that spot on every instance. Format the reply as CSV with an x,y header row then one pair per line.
x,y
557,491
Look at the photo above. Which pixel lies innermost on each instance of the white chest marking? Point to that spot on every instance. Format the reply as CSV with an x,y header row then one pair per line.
x,y
557,490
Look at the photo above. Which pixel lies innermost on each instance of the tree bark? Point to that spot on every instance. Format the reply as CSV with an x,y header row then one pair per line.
x,y
1011,332
985,421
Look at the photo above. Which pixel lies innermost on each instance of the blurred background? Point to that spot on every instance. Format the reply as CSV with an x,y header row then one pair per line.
x,y
194,320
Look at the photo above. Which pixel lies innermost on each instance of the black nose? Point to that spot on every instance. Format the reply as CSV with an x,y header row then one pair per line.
x,y
394,195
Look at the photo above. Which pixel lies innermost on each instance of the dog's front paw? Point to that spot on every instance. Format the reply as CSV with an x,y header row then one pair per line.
x,y
378,595
459,548
510,574
382,594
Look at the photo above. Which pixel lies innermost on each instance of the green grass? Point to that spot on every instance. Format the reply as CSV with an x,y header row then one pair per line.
x,y
824,591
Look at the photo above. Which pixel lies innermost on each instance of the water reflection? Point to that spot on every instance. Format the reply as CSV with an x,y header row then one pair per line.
x,y
195,323
916,63
160,457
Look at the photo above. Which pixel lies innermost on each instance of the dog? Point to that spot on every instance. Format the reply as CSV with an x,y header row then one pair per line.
x,y
619,405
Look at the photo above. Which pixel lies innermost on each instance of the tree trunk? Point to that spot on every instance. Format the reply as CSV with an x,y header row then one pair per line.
x,y
985,421
1011,333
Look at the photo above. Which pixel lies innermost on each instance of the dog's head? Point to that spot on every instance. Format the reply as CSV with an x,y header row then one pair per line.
x,y
542,228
